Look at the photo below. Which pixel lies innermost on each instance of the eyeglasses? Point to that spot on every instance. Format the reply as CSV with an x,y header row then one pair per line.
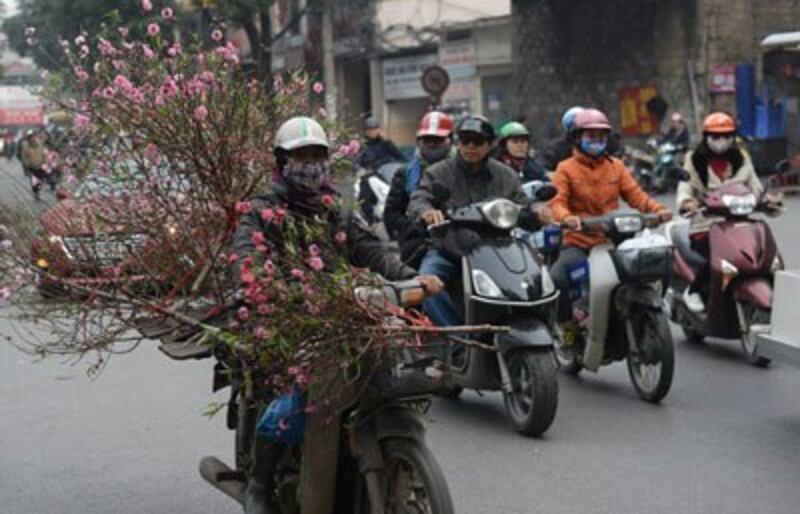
x,y
472,139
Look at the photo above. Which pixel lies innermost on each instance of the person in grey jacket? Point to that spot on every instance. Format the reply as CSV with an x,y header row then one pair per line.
x,y
301,184
469,177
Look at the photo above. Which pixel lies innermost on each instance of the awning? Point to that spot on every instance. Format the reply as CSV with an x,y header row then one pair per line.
x,y
785,40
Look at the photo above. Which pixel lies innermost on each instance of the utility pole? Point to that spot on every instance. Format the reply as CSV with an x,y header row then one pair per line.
x,y
329,59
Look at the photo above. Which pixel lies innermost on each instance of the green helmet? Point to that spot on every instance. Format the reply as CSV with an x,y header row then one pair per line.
x,y
513,129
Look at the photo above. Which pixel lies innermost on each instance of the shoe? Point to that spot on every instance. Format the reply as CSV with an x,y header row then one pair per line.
x,y
693,301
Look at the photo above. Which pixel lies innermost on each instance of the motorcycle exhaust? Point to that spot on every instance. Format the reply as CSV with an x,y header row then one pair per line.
x,y
222,477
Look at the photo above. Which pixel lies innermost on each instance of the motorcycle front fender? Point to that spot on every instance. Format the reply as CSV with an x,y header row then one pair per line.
x,y
393,421
755,291
629,298
525,333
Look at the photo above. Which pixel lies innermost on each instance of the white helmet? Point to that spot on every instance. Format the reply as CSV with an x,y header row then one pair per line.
x,y
300,132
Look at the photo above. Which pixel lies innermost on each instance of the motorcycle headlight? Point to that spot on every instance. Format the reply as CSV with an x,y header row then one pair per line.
x,y
484,285
740,205
628,224
503,214
548,287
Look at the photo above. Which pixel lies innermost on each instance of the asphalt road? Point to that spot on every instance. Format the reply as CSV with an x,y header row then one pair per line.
x,y
726,439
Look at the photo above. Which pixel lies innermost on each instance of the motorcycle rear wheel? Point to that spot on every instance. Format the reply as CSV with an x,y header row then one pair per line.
x,y
533,401
753,316
411,481
651,377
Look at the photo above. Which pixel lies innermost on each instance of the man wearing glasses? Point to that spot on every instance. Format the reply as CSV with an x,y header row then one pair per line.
x,y
468,177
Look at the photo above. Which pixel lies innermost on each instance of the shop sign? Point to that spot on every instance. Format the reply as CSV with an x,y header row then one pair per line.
x,y
401,76
459,58
723,79
636,119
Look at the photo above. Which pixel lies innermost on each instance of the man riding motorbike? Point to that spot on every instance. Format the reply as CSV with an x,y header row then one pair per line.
x,y
716,161
590,183
514,151
560,149
469,177
434,144
377,149
677,134
300,182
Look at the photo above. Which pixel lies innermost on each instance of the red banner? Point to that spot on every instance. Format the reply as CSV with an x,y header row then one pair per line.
x,y
636,119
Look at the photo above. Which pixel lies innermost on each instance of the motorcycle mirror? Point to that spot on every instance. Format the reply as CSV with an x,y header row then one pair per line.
x,y
546,193
440,193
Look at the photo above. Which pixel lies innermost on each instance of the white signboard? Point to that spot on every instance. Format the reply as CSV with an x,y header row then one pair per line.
x,y
459,58
402,75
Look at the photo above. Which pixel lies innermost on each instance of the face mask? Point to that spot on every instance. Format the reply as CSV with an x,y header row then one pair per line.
x,y
719,145
592,147
306,177
434,154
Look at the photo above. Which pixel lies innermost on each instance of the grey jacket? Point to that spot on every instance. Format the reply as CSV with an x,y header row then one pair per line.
x,y
364,250
466,186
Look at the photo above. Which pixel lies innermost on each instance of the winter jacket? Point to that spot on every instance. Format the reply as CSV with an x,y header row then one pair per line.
x,y
554,152
364,250
592,187
467,186
411,237
32,154
702,179
378,152
679,139
528,168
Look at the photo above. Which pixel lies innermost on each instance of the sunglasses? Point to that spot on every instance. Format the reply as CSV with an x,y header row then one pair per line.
x,y
472,140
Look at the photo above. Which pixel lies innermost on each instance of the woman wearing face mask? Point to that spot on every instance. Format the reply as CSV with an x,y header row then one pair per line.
x,y
716,161
591,183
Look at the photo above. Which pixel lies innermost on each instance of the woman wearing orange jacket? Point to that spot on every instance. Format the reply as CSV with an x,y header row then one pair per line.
x,y
590,183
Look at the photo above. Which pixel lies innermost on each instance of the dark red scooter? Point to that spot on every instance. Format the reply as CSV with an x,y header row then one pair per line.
x,y
743,257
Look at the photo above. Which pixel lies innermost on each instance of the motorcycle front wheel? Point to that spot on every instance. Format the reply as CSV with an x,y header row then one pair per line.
x,y
411,481
753,316
533,399
651,360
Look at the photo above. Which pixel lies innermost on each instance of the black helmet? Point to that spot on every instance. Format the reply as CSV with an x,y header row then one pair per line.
x,y
477,124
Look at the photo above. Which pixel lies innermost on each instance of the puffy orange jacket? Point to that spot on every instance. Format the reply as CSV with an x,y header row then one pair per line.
x,y
592,187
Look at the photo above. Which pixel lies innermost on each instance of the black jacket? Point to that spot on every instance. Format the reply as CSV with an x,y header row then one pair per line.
x,y
555,151
363,248
410,236
378,152
466,186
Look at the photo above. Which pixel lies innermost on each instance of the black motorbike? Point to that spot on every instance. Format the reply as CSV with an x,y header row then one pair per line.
x,y
384,464
503,283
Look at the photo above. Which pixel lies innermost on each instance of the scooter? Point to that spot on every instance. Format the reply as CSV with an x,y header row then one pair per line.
x,y
620,307
666,172
384,464
503,283
743,258
372,189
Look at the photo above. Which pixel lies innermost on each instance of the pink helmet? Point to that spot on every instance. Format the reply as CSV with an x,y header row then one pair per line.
x,y
591,119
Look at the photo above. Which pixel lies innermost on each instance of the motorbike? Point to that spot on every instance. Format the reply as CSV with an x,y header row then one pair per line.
x,y
384,464
372,189
503,283
657,171
744,258
619,305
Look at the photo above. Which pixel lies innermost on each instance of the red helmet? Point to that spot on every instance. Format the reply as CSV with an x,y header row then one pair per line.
x,y
435,123
591,119
719,123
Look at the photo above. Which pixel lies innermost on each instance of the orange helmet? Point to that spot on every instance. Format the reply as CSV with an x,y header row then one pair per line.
x,y
719,123
435,123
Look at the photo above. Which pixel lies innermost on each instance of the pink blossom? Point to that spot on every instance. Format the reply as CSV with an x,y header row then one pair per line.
x,y
169,88
159,100
233,258
244,207
117,64
318,88
327,201
316,263
201,113
340,237
293,370
314,250
106,48
81,121
267,214
297,273
248,277
280,214
261,333
262,248
269,267
80,40
5,293
123,31
81,74
243,313
167,13
217,35
123,83
109,92
174,50
257,238
265,310
355,147
147,5
153,29
148,52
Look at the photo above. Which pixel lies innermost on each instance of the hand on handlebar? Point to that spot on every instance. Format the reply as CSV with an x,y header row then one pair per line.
x,y
664,215
572,222
689,207
431,284
433,217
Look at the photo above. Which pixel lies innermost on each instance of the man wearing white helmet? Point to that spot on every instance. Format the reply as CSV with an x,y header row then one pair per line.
x,y
301,179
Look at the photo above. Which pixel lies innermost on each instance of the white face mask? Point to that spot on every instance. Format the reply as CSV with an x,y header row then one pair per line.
x,y
719,145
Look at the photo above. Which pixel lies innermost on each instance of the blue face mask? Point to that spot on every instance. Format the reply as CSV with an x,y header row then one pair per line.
x,y
592,147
